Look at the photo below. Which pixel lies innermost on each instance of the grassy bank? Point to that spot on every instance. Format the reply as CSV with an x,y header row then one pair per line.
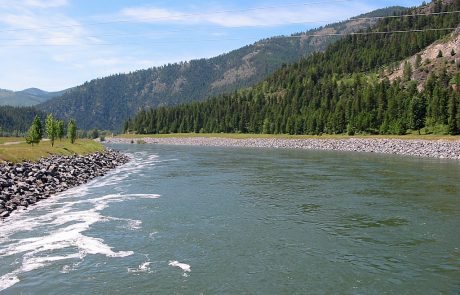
x,y
286,136
25,152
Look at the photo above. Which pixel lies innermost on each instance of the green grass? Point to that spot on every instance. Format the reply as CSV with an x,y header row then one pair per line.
x,y
26,152
286,136
10,139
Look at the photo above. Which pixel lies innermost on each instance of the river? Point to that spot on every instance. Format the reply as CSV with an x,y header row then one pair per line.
x,y
204,220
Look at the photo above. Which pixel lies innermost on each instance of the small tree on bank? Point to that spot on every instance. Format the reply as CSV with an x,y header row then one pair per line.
x,y
35,133
51,128
60,129
71,131
94,134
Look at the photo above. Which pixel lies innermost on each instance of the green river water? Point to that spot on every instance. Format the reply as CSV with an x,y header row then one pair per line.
x,y
202,220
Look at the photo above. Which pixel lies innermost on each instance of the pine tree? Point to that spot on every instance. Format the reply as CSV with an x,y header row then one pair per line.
x,y
407,72
418,61
452,119
35,133
94,133
417,114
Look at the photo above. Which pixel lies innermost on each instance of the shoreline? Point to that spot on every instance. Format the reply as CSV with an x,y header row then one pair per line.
x,y
441,149
24,184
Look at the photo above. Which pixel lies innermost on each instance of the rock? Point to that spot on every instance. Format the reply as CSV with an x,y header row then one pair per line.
x,y
25,184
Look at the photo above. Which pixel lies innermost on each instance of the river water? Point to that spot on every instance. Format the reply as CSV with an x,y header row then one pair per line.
x,y
202,220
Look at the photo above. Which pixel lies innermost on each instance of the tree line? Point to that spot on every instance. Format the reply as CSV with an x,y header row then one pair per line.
x,y
338,91
106,103
54,129
14,121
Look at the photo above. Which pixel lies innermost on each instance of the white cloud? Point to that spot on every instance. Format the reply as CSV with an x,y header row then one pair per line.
x,y
105,61
45,3
43,46
249,18
27,4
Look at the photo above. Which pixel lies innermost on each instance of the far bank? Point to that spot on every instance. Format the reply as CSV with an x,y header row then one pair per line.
x,y
435,147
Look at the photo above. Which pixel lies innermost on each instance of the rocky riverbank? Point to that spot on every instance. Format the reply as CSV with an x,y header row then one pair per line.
x,y
24,184
443,149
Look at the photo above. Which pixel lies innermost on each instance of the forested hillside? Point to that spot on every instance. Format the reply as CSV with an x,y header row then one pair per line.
x,y
16,120
106,103
345,89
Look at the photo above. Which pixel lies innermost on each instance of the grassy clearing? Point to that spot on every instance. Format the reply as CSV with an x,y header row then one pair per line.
x,y
25,152
286,136
11,139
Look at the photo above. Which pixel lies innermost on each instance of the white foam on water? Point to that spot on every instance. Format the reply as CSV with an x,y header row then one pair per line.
x,y
183,266
62,226
138,162
33,263
134,224
68,268
152,157
61,223
8,280
143,268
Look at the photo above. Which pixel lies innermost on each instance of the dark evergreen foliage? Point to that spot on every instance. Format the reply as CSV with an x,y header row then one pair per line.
x,y
332,92
16,120
107,102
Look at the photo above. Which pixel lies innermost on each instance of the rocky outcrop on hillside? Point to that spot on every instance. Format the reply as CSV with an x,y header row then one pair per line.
x,y
443,55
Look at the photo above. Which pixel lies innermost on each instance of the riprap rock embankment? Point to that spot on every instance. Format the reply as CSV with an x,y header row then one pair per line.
x,y
24,184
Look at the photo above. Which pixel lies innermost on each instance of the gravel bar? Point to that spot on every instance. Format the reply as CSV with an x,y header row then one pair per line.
x,y
442,149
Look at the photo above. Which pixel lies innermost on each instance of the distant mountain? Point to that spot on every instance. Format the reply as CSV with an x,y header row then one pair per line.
x,y
27,97
106,103
370,83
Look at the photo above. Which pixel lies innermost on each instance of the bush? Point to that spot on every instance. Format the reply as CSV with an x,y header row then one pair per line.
x,y
438,129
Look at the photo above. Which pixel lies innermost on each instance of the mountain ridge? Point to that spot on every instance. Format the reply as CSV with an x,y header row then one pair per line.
x,y
27,97
105,103
340,90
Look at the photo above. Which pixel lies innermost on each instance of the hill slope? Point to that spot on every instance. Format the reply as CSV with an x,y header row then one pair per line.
x,y
17,120
27,97
106,103
443,55
340,90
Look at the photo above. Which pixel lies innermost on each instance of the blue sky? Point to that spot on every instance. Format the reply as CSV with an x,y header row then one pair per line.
x,y
56,44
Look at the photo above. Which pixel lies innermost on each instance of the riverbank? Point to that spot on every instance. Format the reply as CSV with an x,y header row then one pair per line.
x,y
21,152
443,149
24,184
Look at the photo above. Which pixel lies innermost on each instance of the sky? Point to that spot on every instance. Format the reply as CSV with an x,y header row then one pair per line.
x,y
57,44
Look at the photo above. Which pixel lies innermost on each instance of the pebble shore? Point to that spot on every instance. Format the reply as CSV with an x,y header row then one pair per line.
x,y
442,149
24,184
